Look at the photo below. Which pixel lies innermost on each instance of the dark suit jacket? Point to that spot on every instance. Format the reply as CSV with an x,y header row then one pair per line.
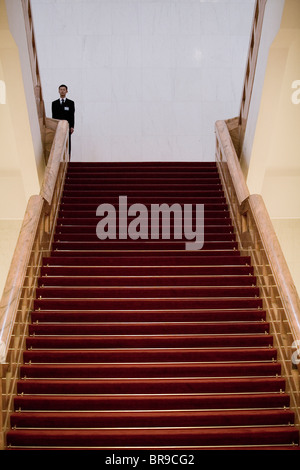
x,y
65,112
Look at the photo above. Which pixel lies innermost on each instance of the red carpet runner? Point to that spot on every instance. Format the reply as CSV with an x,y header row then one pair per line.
x,y
143,344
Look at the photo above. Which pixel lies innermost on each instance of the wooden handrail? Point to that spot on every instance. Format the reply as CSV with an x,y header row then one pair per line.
x,y
228,156
225,153
25,243
257,239
277,260
17,273
254,43
36,79
237,125
34,242
47,125
60,142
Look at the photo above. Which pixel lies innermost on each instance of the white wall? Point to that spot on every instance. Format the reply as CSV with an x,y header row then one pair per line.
x,y
149,77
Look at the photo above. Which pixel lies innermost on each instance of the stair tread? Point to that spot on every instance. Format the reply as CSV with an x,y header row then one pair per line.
x,y
149,315
167,436
216,401
142,355
252,382
144,419
150,370
146,291
144,280
147,341
140,328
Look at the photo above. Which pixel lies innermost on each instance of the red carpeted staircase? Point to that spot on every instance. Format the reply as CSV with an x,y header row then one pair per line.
x,y
143,344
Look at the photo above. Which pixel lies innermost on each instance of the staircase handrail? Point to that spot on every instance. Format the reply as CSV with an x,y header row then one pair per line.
x,y
25,243
34,65
257,239
255,36
228,157
17,273
34,242
47,125
60,143
277,260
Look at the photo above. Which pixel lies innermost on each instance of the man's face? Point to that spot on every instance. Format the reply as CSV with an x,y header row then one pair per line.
x,y
62,91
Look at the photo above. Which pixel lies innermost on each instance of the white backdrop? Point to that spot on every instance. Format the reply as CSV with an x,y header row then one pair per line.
x,y
149,77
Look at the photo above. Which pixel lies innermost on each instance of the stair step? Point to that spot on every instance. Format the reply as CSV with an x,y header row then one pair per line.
x,y
202,197
91,236
292,446
143,259
204,179
149,386
97,245
154,172
137,175
74,371
91,203
151,257
173,401
123,355
214,203
215,219
145,315
212,233
156,437
143,419
185,164
110,303
137,328
142,271
181,188
146,292
147,281
148,341
90,213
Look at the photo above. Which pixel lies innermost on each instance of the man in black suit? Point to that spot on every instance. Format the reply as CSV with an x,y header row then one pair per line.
x,y
63,108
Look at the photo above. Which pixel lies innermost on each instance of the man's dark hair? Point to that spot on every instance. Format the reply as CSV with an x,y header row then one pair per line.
x,y
63,85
